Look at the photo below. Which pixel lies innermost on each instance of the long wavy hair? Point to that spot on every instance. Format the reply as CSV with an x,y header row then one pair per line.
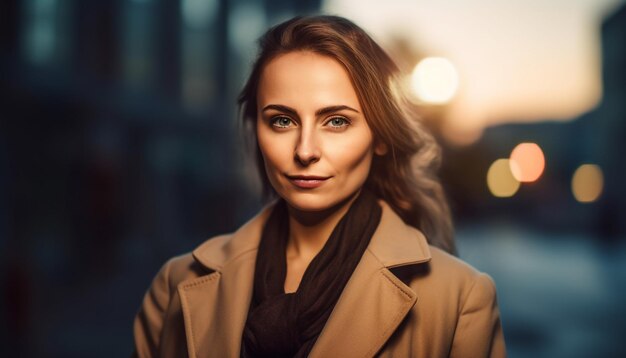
x,y
406,176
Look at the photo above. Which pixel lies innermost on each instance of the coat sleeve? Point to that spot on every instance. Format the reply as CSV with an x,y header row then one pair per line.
x,y
148,322
479,330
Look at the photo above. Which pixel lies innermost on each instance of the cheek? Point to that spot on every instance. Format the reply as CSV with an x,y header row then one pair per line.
x,y
275,154
353,157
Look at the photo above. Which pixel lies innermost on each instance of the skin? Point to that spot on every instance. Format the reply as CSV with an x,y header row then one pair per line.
x,y
310,122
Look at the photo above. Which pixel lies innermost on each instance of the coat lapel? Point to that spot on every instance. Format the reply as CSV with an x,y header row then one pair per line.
x,y
374,301
215,306
370,308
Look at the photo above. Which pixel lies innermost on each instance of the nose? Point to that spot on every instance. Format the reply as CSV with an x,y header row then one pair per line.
x,y
307,150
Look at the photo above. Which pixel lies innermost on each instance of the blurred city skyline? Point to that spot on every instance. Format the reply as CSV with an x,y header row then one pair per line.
x,y
518,61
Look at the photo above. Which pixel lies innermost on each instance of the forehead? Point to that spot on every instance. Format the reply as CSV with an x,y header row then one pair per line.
x,y
307,79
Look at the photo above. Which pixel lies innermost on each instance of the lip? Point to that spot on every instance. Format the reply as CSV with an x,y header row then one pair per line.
x,y
307,181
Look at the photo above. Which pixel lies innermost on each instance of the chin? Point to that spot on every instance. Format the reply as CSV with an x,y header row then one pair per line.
x,y
313,202
309,201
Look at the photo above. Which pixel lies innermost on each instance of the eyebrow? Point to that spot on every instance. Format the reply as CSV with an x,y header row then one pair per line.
x,y
319,112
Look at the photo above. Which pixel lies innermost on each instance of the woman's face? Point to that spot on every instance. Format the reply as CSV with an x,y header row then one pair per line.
x,y
315,141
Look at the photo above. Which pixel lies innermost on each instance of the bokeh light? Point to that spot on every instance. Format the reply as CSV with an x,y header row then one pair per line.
x,y
587,183
527,162
435,80
500,179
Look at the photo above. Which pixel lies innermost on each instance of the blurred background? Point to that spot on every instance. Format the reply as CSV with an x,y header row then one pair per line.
x,y
119,148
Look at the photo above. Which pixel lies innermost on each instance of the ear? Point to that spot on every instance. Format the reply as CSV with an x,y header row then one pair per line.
x,y
380,148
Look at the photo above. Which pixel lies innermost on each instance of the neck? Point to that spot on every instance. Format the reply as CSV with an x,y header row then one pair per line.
x,y
309,231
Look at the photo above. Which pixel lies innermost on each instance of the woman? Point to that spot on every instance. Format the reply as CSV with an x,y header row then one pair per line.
x,y
355,258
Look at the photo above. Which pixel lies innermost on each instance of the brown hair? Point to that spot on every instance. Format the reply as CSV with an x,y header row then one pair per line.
x,y
405,177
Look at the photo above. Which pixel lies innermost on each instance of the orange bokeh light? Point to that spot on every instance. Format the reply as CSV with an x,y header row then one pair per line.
x,y
527,162
587,183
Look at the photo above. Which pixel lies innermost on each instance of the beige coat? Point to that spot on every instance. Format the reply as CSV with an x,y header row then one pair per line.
x,y
405,299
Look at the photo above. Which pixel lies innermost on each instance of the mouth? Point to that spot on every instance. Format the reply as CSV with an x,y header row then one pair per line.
x,y
307,181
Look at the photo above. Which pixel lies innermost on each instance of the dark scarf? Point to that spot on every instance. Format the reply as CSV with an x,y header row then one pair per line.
x,y
287,324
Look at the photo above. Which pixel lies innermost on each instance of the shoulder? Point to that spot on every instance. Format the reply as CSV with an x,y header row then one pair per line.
x,y
216,252
449,282
456,312
464,300
452,268
427,269
187,266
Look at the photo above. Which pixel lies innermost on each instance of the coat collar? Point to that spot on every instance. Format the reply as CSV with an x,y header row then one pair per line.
x,y
394,243
216,329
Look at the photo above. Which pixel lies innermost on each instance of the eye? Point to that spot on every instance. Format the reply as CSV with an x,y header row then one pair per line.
x,y
338,122
281,122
